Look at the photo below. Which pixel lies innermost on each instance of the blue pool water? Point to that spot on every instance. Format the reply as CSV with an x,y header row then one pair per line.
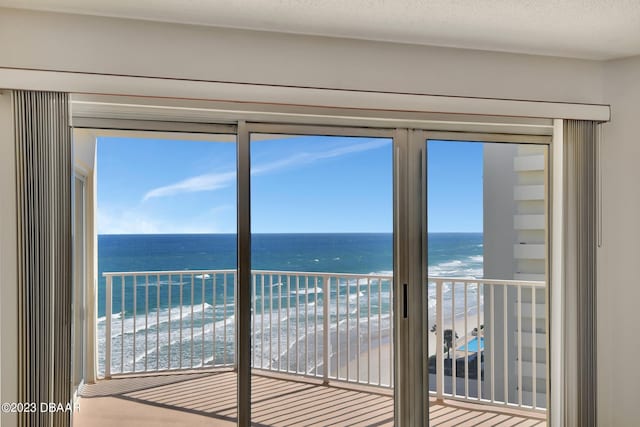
x,y
473,345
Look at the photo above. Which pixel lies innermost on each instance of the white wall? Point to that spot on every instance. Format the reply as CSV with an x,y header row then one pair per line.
x,y
619,256
109,45
8,261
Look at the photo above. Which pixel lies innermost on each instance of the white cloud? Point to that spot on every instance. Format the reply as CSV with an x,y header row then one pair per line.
x,y
215,181
306,158
205,182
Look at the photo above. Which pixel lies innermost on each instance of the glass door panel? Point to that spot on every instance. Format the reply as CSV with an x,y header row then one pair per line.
x,y
167,261
322,268
487,246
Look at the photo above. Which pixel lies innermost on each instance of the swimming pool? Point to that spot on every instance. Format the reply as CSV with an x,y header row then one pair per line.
x,y
473,345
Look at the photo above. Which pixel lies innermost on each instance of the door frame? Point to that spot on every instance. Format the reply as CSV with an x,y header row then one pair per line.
x,y
402,371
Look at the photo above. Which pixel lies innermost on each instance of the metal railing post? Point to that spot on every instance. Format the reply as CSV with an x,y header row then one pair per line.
x,y
439,341
325,329
236,332
107,331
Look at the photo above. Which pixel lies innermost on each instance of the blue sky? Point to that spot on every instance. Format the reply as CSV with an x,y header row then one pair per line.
x,y
130,170
454,183
299,184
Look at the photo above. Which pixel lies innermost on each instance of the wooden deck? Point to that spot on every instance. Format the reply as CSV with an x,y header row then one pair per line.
x,y
208,399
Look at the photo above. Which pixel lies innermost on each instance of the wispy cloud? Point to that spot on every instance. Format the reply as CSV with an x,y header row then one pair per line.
x,y
306,158
205,182
216,181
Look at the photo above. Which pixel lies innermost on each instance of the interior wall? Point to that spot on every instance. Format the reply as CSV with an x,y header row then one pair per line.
x,y
8,262
618,285
40,40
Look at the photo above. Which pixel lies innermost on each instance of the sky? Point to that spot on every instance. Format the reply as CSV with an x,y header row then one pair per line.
x,y
299,184
454,186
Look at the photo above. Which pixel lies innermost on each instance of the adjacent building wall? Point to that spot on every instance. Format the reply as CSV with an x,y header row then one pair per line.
x,y
499,180
499,208
499,236
8,262
619,255
512,174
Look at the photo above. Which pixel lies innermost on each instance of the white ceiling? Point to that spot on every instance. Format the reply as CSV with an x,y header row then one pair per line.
x,y
593,29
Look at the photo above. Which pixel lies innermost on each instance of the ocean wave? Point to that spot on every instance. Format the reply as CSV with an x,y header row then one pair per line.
x,y
153,283
303,291
199,331
381,273
467,267
170,349
102,319
155,319
270,329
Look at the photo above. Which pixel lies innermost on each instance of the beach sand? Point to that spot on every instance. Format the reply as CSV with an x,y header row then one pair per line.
x,y
379,367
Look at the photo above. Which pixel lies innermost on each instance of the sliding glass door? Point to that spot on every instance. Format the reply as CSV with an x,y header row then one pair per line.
x,y
326,275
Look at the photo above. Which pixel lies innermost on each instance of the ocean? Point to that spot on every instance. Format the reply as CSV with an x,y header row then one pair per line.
x,y
152,341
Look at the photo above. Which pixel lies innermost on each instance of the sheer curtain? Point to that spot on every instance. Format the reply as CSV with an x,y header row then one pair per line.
x,y
43,178
580,231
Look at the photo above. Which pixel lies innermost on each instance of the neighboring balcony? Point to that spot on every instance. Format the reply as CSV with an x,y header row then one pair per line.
x,y
328,331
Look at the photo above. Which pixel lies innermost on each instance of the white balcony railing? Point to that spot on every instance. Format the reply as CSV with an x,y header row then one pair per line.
x,y
331,326
174,320
495,334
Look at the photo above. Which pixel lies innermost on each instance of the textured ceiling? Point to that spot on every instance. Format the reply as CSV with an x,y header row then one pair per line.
x,y
594,29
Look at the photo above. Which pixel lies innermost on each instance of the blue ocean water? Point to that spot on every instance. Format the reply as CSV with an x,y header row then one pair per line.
x,y
169,297
335,253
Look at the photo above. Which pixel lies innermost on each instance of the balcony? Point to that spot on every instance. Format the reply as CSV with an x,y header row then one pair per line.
x,y
319,338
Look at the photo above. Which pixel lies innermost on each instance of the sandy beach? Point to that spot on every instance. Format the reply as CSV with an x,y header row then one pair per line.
x,y
379,365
